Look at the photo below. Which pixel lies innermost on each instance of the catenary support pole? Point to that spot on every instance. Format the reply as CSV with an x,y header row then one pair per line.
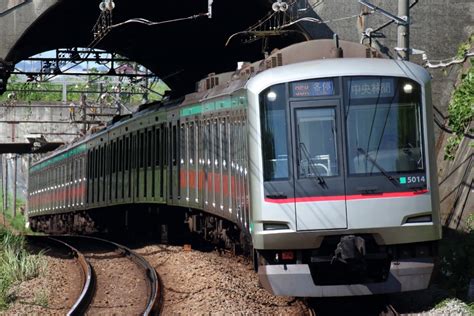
x,y
27,204
5,197
15,179
403,49
3,189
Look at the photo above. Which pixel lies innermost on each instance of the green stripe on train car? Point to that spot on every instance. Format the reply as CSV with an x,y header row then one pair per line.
x,y
193,110
56,159
227,103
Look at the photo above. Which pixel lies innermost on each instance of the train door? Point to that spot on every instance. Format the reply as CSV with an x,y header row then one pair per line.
x,y
318,173
174,163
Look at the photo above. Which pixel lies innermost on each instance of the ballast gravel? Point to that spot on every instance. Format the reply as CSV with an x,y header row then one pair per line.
x,y
52,293
213,283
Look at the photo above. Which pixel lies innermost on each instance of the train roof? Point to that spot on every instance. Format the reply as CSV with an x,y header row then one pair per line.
x,y
337,68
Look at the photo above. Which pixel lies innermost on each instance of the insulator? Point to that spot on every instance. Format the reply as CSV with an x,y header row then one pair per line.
x,y
102,6
284,7
276,6
110,5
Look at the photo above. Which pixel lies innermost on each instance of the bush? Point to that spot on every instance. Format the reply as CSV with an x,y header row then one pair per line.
x,y
16,265
456,253
461,112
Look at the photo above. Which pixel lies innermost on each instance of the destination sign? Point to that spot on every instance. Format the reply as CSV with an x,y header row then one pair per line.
x,y
313,88
372,88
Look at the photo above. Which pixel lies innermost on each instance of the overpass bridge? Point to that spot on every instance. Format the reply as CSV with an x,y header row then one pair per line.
x,y
40,127
175,51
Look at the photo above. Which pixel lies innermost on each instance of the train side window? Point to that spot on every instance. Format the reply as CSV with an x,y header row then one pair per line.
x,y
99,162
116,156
192,142
215,131
174,141
127,153
102,161
89,167
112,161
128,164
94,164
141,150
166,145
77,173
150,147
72,170
157,146
104,165
225,146
120,155
183,143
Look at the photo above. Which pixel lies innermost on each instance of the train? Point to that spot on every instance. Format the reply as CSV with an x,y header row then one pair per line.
x,y
319,157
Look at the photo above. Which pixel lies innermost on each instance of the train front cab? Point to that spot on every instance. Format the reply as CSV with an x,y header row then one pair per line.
x,y
347,203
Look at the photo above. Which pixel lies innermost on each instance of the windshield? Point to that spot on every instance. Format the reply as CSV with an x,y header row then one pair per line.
x,y
383,124
316,139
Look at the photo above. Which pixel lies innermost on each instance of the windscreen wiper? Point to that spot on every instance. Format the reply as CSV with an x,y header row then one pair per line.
x,y
382,170
305,151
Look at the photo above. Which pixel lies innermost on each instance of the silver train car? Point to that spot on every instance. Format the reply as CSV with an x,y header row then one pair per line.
x,y
325,165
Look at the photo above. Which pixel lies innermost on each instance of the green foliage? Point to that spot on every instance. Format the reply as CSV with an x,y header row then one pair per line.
x,y
470,307
52,92
19,221
464,47
456,254
470,223
41,298
16,265
461,112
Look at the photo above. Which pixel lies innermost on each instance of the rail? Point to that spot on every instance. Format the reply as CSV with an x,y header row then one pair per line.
x,y
88,287
154,299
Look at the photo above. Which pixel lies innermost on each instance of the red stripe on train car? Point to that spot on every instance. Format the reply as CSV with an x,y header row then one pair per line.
x,y
348,197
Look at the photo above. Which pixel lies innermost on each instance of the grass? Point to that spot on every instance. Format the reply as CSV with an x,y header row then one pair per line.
x,y
16,265
18,222
42,298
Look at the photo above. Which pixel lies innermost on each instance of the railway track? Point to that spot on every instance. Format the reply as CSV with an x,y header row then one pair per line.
x,y
116,280
87,285
364,306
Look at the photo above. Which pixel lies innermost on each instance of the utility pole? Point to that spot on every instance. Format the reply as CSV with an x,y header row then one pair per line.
x,y
3,190
403,28
5,187
15,178
27,205
403,49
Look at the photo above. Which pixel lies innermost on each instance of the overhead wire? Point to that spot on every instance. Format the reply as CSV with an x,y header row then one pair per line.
x,y
448,62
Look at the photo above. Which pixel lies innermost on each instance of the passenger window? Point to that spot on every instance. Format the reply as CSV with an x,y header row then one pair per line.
x,y
225,147
191,142
157,147
127,153
142,150
175,150
120,155
150,148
